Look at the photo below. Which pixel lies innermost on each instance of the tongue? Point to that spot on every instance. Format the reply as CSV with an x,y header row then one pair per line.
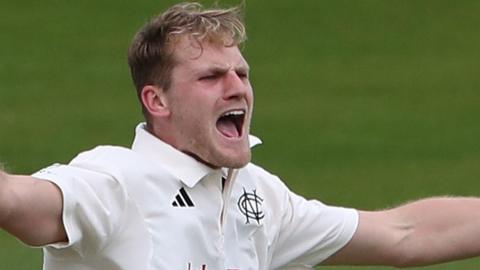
x,y
227,128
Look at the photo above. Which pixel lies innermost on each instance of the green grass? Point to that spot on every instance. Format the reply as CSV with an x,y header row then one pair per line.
x,y
359,103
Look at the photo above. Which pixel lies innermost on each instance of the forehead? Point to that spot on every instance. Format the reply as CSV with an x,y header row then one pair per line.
x,y
191,54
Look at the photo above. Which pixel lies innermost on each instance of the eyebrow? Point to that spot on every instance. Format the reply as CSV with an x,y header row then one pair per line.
x,y
223,69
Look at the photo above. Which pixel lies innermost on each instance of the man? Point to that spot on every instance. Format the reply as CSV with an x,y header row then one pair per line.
x,y
186,196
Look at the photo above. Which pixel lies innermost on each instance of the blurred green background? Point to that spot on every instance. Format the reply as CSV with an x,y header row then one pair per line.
x,y
359,103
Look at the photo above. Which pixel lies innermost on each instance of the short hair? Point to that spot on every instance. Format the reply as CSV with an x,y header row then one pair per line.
x,y
150,55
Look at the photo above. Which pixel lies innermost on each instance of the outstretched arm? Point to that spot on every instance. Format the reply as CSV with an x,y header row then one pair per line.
x,y
31,209
425,232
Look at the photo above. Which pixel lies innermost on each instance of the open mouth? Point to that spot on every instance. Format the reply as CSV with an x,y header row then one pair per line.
x,y
230,124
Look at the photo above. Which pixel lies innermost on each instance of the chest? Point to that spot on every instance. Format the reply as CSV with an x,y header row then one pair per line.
x,y
204,228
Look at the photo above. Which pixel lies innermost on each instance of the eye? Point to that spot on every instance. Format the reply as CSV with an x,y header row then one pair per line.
x,y
208,77
242,75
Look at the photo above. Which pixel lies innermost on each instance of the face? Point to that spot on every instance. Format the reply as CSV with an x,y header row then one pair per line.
x,y
210,104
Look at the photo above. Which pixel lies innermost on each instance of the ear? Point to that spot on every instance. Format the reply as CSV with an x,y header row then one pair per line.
x,y
155,101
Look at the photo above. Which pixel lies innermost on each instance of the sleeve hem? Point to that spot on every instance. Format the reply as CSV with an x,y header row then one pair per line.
x,y
349,231
67,208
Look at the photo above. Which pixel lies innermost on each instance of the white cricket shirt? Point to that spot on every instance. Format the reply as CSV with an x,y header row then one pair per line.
x,y
153,207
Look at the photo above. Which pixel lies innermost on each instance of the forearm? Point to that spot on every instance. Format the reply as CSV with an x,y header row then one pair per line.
x,y
424,232
437,230
2,172
5,202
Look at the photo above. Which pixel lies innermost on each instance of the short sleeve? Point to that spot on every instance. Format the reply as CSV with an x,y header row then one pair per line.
x,y
311,232
93,203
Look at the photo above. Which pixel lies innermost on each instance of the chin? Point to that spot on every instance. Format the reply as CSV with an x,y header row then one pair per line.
x,y
233,161
237,164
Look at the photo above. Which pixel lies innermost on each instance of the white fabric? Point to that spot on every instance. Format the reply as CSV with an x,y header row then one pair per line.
x,y
122,211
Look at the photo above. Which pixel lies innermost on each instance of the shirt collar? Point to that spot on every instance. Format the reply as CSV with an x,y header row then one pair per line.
x,y
179,164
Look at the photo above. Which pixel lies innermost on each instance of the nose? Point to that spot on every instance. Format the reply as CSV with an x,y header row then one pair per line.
x,y
236,85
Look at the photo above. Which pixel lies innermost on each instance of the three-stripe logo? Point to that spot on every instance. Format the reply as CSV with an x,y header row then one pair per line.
x,y
182,199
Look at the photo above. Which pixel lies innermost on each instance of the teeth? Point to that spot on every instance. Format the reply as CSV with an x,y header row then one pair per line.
x,y
234,113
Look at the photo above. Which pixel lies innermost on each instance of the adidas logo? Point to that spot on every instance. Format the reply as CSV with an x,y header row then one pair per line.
x,y
182,199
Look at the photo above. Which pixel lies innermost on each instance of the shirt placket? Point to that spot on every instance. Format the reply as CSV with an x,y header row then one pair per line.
x,y
226,194
221,190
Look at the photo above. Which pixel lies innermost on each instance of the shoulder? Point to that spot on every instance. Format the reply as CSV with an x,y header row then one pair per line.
x,y
129,168
104,152
101,168
92,168
111,159
263,177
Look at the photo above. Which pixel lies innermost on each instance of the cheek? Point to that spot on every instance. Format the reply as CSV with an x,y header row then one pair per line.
x,y
192,117
183,107
250,93
250,99
193,108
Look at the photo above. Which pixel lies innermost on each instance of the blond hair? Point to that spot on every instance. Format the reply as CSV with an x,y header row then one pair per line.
x,y
150,56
